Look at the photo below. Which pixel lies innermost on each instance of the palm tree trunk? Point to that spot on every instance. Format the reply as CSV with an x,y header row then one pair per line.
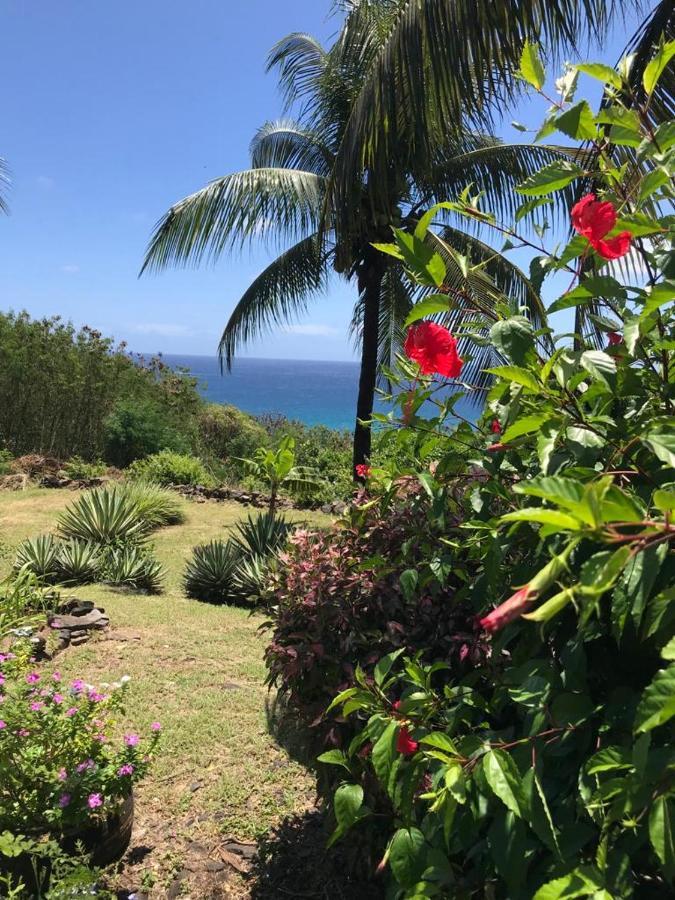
x,y
370,275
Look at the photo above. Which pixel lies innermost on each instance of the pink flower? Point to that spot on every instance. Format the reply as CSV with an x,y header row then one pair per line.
x,y
594,220
156,726
56,676
64,800
126,769
63,775
495,427
83,766
404,743
71,711
94,801
78,685
36,707
2,724
32,678
95,697
2,678
434,349
363,471
509,610
57,698
101,738
131,740
23,732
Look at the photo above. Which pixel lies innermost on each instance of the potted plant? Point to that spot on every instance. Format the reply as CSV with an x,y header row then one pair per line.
x,y
66,773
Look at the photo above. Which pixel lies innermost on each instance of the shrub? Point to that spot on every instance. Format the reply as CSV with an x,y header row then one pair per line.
x,y
79,469
23,602
78,562
103,516
209,574
261,535
226,434
133,567
168,467
6,459
155,505
137,429
38,556
537,762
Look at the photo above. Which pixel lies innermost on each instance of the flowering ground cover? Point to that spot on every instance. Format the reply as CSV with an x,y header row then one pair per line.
x,y
198,669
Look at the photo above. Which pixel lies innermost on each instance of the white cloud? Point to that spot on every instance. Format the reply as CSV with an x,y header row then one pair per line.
x,y
164,329
313,330
70,269
45,182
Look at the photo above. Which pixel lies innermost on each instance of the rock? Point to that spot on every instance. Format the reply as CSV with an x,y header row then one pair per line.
x,y
214,865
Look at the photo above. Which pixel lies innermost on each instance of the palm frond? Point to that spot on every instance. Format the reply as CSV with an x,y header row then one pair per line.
x,y
4,185
396,301
232,210
441,66
301,60
286,144
660,23
278,294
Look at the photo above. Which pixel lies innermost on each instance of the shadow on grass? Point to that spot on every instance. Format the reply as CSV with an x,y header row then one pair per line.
x,y
293,861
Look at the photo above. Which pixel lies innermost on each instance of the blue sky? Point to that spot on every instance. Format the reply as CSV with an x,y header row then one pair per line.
x,y
111,112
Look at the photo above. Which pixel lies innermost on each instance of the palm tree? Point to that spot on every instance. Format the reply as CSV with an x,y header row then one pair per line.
x,y
297,186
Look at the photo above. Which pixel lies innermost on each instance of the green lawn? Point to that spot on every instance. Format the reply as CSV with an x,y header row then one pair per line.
x,y
198,669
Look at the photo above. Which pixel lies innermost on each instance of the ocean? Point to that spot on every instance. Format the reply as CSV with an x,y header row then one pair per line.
x,y
312,391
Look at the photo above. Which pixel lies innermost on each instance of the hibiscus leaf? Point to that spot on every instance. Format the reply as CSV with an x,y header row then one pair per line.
x,y
578,122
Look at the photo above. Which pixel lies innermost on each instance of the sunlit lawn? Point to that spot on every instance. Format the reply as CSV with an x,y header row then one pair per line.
x,y
198,669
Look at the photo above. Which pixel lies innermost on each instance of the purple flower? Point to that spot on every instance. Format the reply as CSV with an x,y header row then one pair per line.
x,y
94,801
126,769
71,711
32,678
131,740
58,698
2,678
95,697
64,800
56,676
3,724
77,685
63,775
36,707
23,732
83,766
101,738
156,726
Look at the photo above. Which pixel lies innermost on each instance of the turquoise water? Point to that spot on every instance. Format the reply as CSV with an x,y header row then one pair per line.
x,y
314,392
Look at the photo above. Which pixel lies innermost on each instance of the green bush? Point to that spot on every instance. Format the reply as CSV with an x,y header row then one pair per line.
x,y
209,574
168,467
23,602
137,429
106,515
155,505
537,760
79,469
134,567
5,461
38,556
78,562
225,434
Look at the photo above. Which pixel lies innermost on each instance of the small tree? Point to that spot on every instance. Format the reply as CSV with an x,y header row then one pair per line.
x,y
278,469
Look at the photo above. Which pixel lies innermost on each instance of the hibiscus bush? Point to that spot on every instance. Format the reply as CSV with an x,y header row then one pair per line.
x,y
537,761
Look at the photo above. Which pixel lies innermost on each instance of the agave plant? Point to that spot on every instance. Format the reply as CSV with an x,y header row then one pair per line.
x,y
155,505
133,567
250,577
104,516
39,556
262,536
210,573
78,562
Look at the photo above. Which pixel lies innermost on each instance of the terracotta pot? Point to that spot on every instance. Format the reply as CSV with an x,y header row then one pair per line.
x,y
106,841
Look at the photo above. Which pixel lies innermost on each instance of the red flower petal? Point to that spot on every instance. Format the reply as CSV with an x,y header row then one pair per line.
x,y
615,247
434,349
509,610
404,743
592,218
614,339
495,427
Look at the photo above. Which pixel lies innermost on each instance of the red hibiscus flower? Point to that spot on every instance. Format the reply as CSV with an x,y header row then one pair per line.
x,y
434,349
363,471
509,610
614,339
495,427
404,743
594,220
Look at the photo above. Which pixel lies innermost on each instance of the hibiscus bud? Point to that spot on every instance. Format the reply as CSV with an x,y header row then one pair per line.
x,y
404,743
495,427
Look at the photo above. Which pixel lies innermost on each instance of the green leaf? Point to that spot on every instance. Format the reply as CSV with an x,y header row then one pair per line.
x,y
578,122
657,705
600,572
668,652
557,489
383,754
653,181
664,500
430,306
504,778
552,607
407,856
553,177
598,364
661,822
584,881
408,581
663,447
347,804
513,338
609,759
384,665
441,741
531,67
530,205
553,517
507,841
526,425
584,437
334,758
659,295
657,66
541,821
603,73
631,333
517,374
420,259
639,225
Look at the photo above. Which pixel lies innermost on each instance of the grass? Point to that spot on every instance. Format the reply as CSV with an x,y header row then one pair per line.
x,y
198,669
